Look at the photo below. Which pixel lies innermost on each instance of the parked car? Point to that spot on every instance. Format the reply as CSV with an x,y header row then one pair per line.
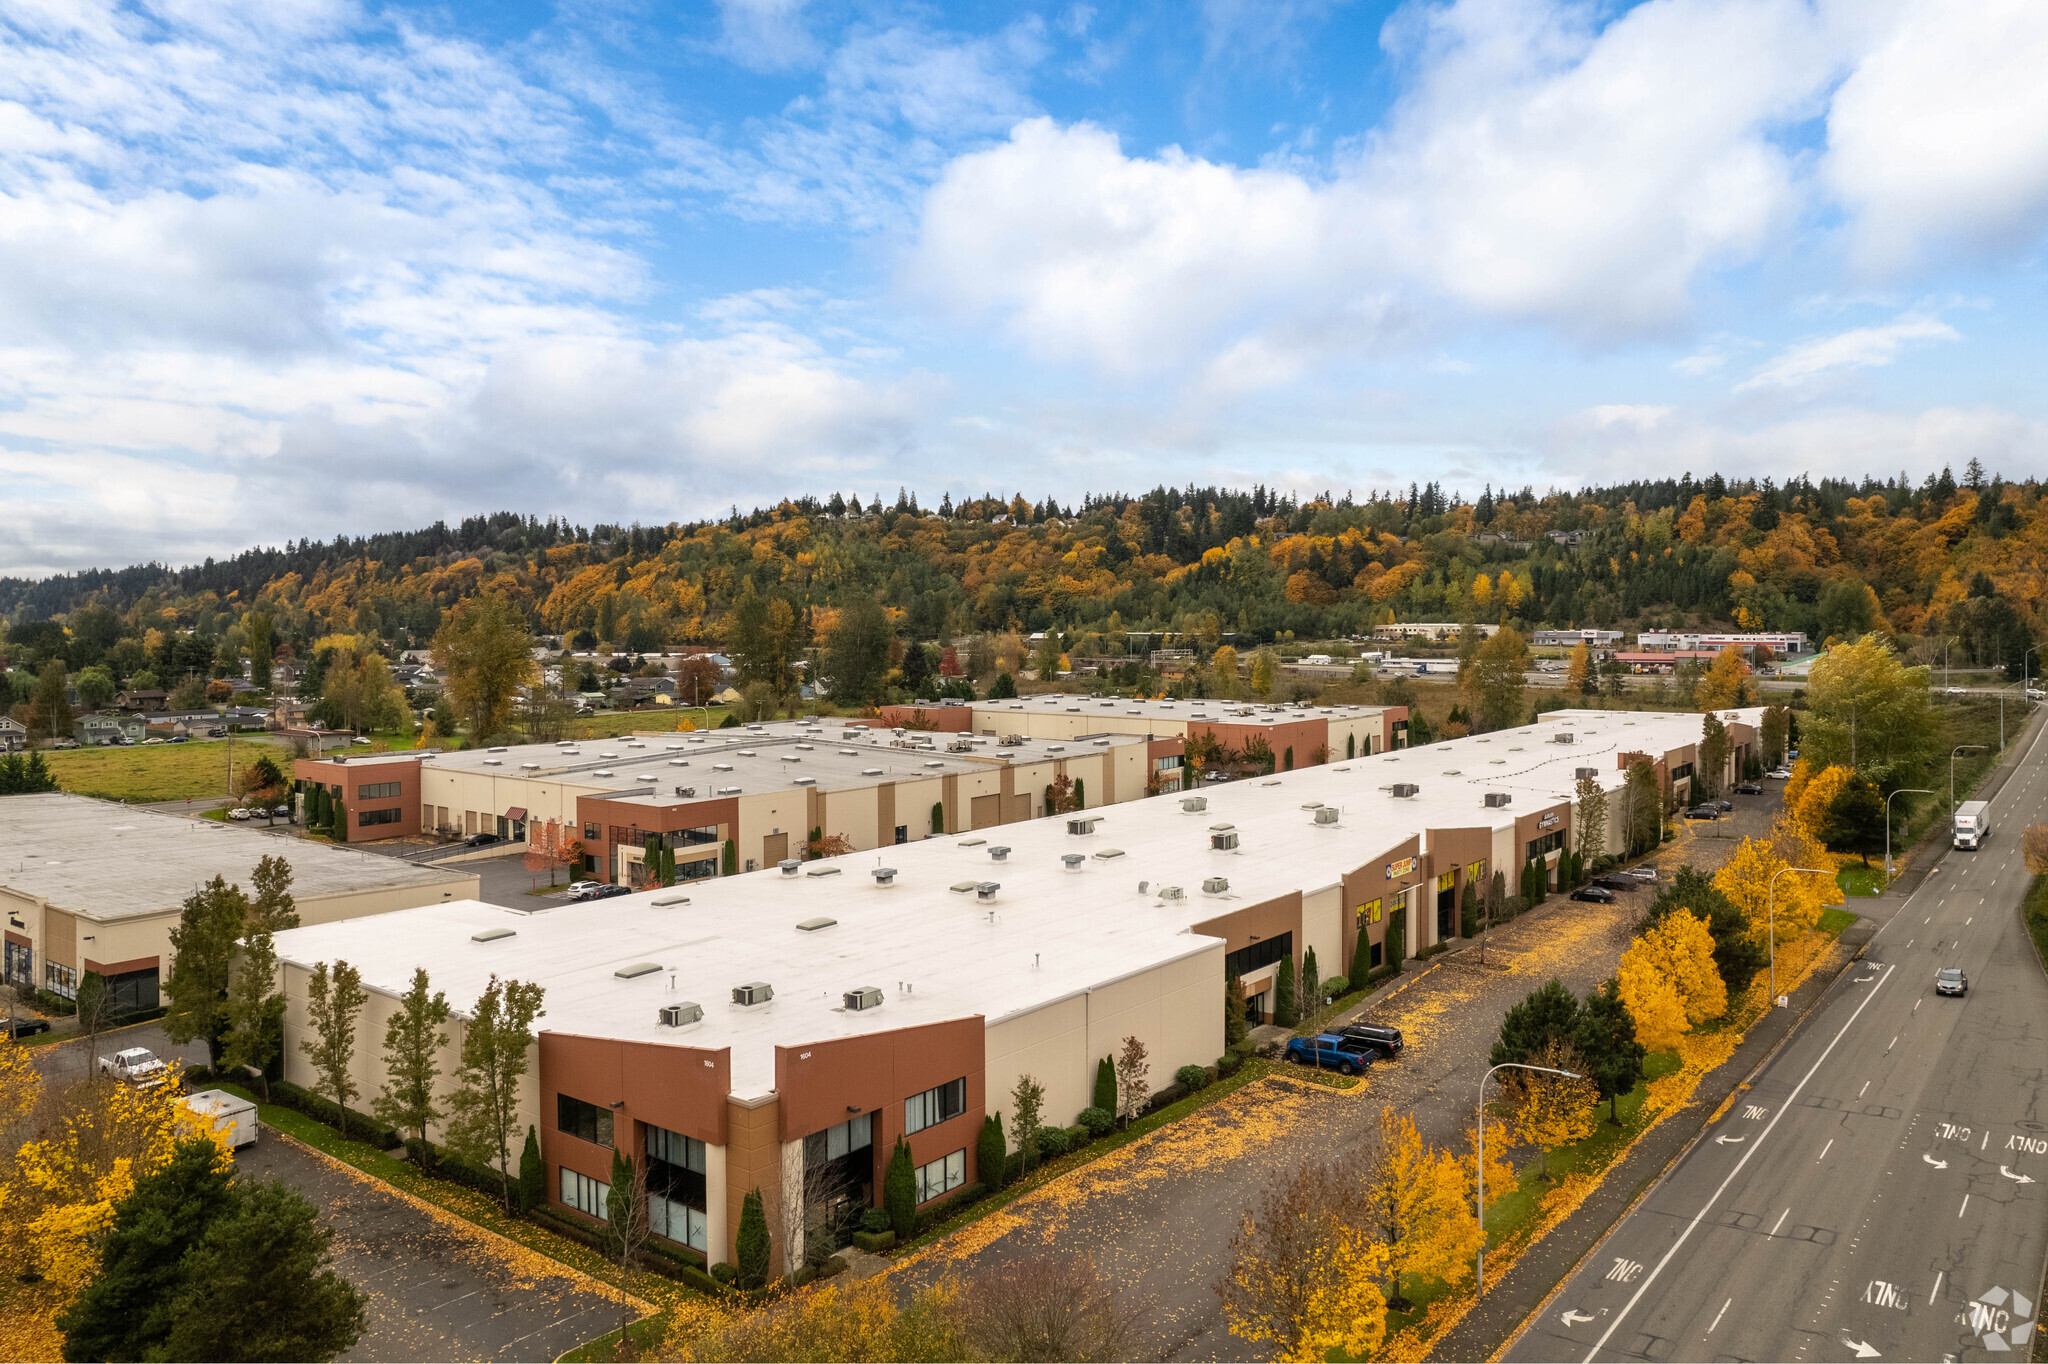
x,y
2036,694
1953,691
1950,980
1749,788
1598,895
580,890
1724,806
1616,881
281,812
606,892
1329,1051
180,738
1704,812
217,732
152,741
64,743
1381,1038
27,1027
238,813
1648,874
359,739
1779,774
136,1065
480,840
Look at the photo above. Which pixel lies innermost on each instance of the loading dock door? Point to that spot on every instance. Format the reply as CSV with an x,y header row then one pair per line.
x,y
986,811
774,848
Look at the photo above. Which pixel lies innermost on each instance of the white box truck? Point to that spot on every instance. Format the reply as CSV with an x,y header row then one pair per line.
x,y
219,1111
1973,824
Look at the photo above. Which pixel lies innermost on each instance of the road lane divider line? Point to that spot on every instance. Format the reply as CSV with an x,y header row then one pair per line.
x,y
1966,1206
1749,1149
1823,1152
1781,1221
1718,1315
1937,1288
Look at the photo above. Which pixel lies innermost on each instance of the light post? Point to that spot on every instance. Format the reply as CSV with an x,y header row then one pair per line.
x,y
2026,682
1916,790
1952,775
1479,1269
1771,912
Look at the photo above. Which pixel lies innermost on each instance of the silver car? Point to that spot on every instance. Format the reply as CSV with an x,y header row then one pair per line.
x,y
1950,980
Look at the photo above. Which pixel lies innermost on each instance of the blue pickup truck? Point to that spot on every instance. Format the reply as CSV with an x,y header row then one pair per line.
x,y
1329,1051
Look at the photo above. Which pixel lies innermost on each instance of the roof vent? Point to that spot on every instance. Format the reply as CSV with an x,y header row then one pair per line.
x,y
803,781
681,1015
813,925
790,866
1085,825
728,790
1107,853
500,762
493,934
607,755
1215,885
866,997
1194,805
665,901
753,992
1496,799
496,750
1224,842
824,871
885,876
871,771
721,767
986,891
748,752
529,767
637,970
998,853
790,758
962,887
1326,814
1073,860
1311,805
1405,790
936,762
678,762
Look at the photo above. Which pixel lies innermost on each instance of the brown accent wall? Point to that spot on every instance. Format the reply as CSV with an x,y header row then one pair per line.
x,y
949,800
605,812
60,937
1530,826
1392,716
1240,927
753,1160
353,776
938,719
885,814
1371,882
1303,736
824,1083
117,968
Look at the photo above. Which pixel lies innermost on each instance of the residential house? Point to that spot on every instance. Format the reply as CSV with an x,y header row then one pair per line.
x,y
13,735
108,727
143,698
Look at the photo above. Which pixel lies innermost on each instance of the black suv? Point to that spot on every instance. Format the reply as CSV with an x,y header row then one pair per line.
x,y
1381,1038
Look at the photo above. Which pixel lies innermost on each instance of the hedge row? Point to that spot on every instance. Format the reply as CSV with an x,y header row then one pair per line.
x,y
315,1106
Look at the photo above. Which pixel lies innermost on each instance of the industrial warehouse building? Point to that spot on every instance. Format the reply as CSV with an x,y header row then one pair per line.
x,y
763,788
755,1031
1298,736
88,885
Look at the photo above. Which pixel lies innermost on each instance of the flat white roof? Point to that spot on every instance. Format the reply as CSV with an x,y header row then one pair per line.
x,y
109,861
938,951
1244,712
835,756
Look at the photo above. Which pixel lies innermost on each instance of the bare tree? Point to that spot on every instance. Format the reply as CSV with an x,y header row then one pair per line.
x,y
1050,1308
1132,1086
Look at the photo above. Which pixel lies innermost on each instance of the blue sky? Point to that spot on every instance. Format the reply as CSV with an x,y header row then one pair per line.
x,y
277,269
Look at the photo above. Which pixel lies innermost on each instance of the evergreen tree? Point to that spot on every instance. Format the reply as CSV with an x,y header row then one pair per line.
x,y
1311,981
751,1244
1361,956
991,1152
1397,938
533,1173
1546,1014
340,832
1105,1085
1606,1040
1004,688
899,1192
1284,1012
1468,911
1080,794
1235,1028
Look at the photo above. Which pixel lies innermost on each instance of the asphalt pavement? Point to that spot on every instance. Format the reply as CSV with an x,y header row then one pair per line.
x,y
1877,1191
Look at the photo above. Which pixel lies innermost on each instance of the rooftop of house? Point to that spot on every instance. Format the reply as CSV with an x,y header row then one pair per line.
x,y
109,861
993,923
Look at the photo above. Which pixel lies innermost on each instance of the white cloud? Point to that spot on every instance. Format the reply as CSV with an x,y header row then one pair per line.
x,y
1939,137
766,35
1857,348
1634,416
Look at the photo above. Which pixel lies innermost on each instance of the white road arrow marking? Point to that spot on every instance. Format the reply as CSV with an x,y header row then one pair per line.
x,y
1937,1164
1725,1140
2022,1179
1575,1317
1861,1347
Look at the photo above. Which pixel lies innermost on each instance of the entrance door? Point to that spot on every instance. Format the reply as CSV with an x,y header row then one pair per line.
x,y
1255,1009
1446,909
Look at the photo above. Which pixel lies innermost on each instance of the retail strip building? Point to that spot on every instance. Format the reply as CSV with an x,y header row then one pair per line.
x,y
750,1031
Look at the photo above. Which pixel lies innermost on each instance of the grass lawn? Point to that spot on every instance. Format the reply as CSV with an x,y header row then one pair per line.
x,y
2035,910
1833,921
1856,879
155,772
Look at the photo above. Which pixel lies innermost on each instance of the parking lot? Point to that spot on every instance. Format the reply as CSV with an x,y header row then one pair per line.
x,y
439,1288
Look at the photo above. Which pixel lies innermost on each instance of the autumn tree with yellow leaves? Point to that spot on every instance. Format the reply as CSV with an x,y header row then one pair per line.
x,y
1549,1111
1669,982
1421,1206
1305,1268
1726,682
1746,877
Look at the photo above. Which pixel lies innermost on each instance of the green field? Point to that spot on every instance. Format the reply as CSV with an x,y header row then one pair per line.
x,y
1856,879
155,772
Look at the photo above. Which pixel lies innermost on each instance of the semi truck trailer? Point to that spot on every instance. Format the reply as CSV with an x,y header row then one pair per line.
x,y
1972,824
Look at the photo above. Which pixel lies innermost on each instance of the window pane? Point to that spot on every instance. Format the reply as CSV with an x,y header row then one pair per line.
x,y
603,1135
568,1186
862,1129
956,1169
835,1141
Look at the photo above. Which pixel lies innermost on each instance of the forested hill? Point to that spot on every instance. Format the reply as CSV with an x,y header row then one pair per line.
x,y
1938,558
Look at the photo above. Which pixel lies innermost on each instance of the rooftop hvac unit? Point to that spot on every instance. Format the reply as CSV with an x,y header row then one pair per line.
x,y
1224,842
866,997
1082,826
754,992
885,876
790,866
1326,814
986,891
1073,860
1405,790
1195,805
1172,894
680,1015
998,853
1496,799
1215,885
1562,737
1584,772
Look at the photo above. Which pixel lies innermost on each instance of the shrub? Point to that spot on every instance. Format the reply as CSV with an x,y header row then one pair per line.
x,y
533,1173
989,1149
940,1209
1336,987
873,1220
753,1242
874,1242
1052,1143
1192,1078
1105,1084
724,1273
1096,1121
360,1125
899,1192
1229,1063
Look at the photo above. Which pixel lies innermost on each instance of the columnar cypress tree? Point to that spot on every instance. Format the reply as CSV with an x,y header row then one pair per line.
x,y
1105,1085
1361,957
1468,911
751,1245
341,821
938,816
533,1173
1284,1012
1397,938
1234,1025
731,858
1311,981
990,1151
899,1192
1080,794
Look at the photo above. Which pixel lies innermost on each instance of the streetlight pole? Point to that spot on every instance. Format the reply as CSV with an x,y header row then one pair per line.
x,y
1771,911
1916,790
1952,775
1479,1269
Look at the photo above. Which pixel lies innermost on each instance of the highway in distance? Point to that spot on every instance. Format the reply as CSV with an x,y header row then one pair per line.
x,y
1881,1189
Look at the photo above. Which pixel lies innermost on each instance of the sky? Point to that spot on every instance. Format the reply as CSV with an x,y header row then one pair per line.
x,y
285,268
